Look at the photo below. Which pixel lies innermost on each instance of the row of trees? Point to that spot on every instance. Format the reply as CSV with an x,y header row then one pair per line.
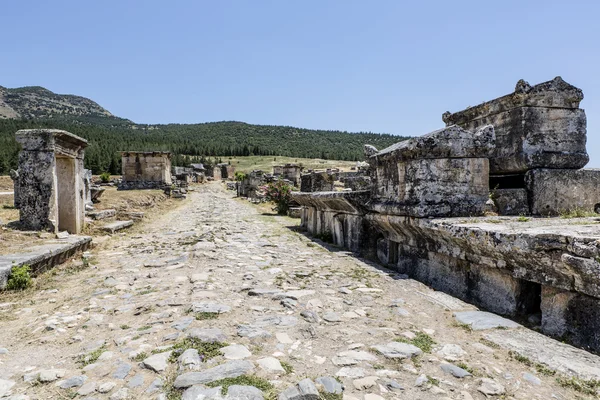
x,y
191,143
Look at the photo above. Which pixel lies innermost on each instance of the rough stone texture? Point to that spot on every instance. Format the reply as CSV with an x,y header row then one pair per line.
x,y
102,214
537,126
511,201
145,170
554,191
117,226
551,353
571,315
43,257
230,369
480,320
444,173
50,180
291,172
318,181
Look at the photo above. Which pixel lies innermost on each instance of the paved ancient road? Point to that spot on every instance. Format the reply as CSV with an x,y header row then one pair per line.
x,y
288,308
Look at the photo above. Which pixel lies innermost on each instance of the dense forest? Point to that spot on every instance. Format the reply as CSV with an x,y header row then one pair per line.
x,y
107,136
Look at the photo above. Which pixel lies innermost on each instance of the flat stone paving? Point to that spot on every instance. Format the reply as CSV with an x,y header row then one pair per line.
x,y
292,312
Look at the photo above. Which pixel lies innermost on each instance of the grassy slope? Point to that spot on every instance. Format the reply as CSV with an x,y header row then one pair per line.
x,y
266,163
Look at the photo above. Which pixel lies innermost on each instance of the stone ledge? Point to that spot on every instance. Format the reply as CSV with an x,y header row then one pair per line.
x,y
43,257
117,226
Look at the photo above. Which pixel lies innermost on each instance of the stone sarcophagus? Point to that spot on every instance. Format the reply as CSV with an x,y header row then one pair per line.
x,y
50,180
444,173
537,126
145,170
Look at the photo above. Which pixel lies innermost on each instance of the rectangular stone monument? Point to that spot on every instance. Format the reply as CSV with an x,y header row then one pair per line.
x,y
51,187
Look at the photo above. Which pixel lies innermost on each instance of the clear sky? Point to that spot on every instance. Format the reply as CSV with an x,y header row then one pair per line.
x,y
379,66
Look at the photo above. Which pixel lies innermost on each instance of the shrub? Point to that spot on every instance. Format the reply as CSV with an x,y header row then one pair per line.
x,y
105,177
240,176
19,278
280,193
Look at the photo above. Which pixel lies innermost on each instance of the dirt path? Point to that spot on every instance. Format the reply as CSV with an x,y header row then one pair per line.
x,y
216,270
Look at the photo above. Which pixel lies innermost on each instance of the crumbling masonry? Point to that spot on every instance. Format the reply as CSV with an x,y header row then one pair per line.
x,y
525,151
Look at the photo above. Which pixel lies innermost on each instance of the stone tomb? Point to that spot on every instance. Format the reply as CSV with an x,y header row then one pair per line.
x,y
145,170
540,148
50,180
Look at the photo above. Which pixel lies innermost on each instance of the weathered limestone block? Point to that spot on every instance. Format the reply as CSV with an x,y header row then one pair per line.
x,y
14,175
444,173
553,191
51,194
511,201
537,126
145,170
571,316
317,182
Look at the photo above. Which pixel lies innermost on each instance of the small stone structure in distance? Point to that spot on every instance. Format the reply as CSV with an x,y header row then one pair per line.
x,y
51,180
526,151
145,170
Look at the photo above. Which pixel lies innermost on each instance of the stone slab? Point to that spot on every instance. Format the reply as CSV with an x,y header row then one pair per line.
x,y
43,257
101,214
117,226
481,320
558,356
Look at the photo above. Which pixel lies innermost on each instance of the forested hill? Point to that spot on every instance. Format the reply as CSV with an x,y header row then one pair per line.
x,y
209,140
36,107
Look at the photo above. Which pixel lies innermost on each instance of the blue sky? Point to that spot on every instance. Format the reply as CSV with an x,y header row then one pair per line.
x,y
380,66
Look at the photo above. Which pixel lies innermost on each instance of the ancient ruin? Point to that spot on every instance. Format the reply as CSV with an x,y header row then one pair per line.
x,y
525,151
50,180
290,172
145,170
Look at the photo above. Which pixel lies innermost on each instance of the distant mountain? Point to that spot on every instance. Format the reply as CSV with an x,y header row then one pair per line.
x,y
33,102
36,107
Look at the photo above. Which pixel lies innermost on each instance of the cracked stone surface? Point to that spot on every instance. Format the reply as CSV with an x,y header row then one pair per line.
x,y
215,269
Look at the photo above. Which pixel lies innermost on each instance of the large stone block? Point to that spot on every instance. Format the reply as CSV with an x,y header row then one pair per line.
x,y
536,127
511,201
572,316
444,173
50,180
554,191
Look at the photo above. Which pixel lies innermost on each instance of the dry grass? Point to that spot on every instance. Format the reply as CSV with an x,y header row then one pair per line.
x,y
6,184
266,163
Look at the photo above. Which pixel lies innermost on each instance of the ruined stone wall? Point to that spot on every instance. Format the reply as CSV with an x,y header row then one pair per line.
x,y
145,170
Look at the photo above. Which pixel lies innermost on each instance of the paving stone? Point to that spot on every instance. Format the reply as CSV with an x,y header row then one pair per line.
x,y
239,392
106,387
157,362
270,364
210,335
329,385
214,308
252,332
5,386
454,371
74,381
331,316
122,371
87,388
235,352
230,369
200,392
398,350
136,381
50,375
480,320
183,323
489,387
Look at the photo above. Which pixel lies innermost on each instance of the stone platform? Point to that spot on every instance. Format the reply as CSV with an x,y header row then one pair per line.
x,y
43,257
